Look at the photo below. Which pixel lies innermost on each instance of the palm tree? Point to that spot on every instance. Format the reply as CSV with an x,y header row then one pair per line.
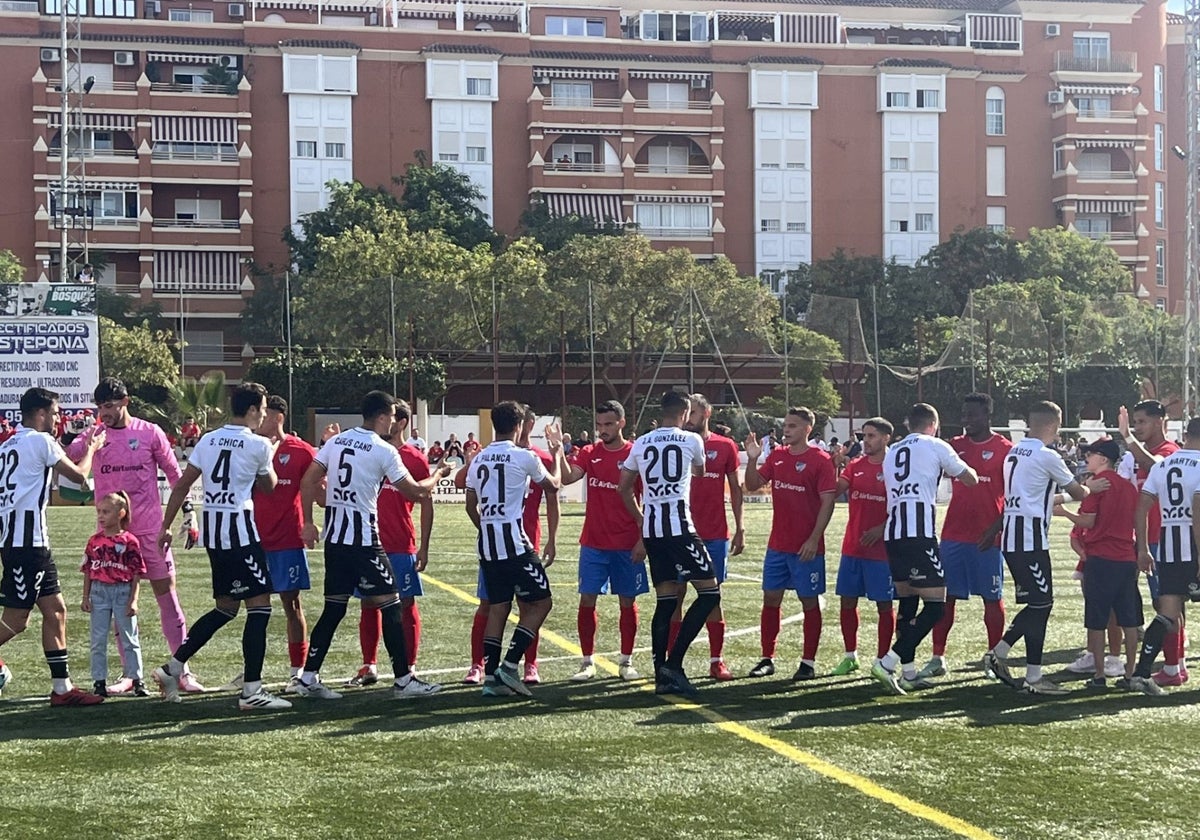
x,y
205,399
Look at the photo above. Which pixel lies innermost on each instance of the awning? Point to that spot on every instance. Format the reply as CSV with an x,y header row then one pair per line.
x,y
1102,143
308,4
194,129
670,75
580,129
1103,90
196,271
599,206
574,73
673,199
95,122
868,25
202,59
1093,205
94,185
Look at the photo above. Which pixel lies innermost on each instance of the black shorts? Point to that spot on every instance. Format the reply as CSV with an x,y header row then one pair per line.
x,y
362,567
240,573
915,561
1032,576
1178,579
522,577
678,559
1110,586
29,574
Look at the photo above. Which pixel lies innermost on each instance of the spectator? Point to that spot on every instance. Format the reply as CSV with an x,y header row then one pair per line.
x,y
470,445
436,452
189,433
86,275
855,448
567,445
415,440
454,449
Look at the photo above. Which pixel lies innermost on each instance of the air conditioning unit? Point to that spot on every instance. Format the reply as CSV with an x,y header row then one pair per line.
x,y
541,80
237,10
123,58
1056,97
49,54
700,83
1053,30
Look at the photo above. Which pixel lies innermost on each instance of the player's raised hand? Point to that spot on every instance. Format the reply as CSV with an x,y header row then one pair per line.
x,y
753,447
331,430
98,439
554,437
1123,422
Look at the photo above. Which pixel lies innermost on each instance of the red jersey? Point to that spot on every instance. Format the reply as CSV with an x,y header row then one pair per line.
x,y
115,559
396,532
867,499
277,515
607,525
1112,535
1154,523
972,509
708,490
533,501
797,482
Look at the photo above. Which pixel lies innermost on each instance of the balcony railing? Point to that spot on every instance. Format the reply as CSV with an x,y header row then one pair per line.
x,y
1115,62
201,89
581,103
1103,175
671,169
201,224
590,168
671,105
18,6
98,86
160,154
93,154
1105,114
675,233
84,222
1109,235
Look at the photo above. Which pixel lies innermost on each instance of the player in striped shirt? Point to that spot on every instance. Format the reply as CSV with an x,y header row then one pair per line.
x,y
803,489
353,465
27,460
497,480
232,461
1173,487
1032,470
665,459
912,469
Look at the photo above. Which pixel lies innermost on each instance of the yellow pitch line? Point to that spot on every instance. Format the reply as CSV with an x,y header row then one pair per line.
x,y
806,759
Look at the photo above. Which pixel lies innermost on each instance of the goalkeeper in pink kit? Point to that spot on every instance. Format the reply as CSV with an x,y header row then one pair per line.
x,y
133,453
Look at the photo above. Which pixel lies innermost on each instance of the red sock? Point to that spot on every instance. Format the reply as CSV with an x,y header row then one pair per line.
x,y
849,620
993,620
1170,648
629,628
531,651
673,634
887,630
477,629
297,653
812,633
586,624
941,630
1182,649
716,638
410,617
370,628
769,625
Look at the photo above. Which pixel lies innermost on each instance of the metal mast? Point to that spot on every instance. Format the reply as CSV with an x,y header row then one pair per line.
x,y
73,217
1191,186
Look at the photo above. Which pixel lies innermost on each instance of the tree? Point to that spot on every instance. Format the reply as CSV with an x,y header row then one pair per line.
x,y
127,311
437,197
11,270
218,75
970,259
206,399
141,357
1082,265
553,232
807,358
350,205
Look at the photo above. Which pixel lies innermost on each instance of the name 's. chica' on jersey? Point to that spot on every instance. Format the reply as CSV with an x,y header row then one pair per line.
x,y
228,443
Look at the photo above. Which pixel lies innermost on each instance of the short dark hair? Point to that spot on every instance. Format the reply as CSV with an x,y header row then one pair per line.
x,y
36,399
673,402
921,416
612,407
805,414
881,425
246,396
700,400
1151,408
1192,430
1044,410
530,415
277,403
404,411
110,388
376,403
506,416
984,400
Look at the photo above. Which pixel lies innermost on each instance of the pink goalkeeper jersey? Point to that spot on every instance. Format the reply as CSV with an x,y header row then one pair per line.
x,y
130,460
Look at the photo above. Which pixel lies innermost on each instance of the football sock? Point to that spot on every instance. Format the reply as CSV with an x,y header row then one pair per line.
x,y
706,601
297,653
629,628
410,617
254,642
674,633
585,623
393,638
1033,673
1035,637
769,625
491,654
886,631
1170,650
848,618
322,634
174,625
812,633
1152,643
251,687
370,628
660,627
531,651
941,630
1017,630
1002,649
60,677
522,638
716,639
909,604
478,626
912,633
201,632
993,620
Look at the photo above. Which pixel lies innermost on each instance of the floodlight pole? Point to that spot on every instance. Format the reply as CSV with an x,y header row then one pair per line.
x,y
1192,80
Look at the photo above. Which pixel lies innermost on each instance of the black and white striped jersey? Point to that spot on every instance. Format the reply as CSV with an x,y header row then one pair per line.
x,y
499,476
356,462
1173,482
912,469
664,458
1032,474
26,461
230,459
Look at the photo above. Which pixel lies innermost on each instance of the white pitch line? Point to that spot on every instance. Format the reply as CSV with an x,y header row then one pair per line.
x,y
745,577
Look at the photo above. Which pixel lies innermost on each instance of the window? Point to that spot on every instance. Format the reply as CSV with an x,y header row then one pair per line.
x,y
899,226
995,180
797,227
1093,106
576,94
673,219
928,98
476,154
993,122
1159,83
924,223
1160,147
197,209
190,15
898,164
479,87
1160,262
113,8
1160,304
668,158
575,27
1060,157
1091,45
672,96
1095,226
1160,204
335,150
306,148
448,156
996,219
897,99
657,26
769,226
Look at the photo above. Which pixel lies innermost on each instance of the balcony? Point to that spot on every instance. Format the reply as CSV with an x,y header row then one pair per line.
x,y
675,233
1101,175
197,224
580,103
97,155
1117,61
671,105
98,86
197,89
1109,235
169,155
585,168
93,222
19,6
1105,115
672,169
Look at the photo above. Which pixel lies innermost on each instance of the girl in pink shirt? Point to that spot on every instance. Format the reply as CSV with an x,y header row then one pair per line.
x,y
111,567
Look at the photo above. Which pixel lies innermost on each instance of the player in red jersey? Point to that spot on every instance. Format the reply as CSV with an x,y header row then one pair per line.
x,y
533,529
708,515
611,555
970,548
803,489
1145,434
863,569
399,541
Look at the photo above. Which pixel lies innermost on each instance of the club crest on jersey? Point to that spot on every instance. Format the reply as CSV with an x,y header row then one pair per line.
x,y
119,548
879,476
711,455
987,455
800,466
133,444
284,458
